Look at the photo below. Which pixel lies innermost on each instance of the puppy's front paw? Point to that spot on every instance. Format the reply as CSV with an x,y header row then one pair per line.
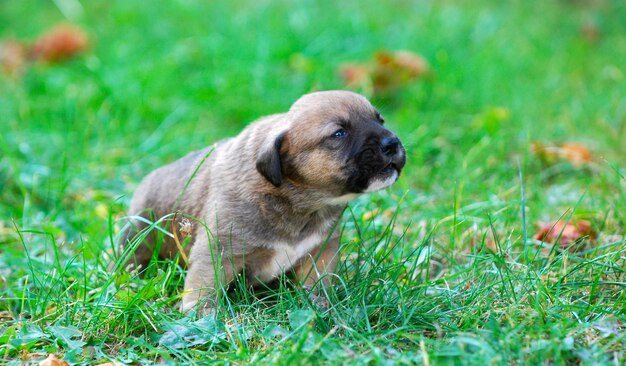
x,y
193,304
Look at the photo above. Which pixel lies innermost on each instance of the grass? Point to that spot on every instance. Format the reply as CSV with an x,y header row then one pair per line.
x,y
446,272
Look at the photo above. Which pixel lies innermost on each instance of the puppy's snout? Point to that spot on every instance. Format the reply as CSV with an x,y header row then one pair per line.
x,y
390,145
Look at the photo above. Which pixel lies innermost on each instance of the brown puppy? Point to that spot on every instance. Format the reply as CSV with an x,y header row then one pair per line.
x,y
269,200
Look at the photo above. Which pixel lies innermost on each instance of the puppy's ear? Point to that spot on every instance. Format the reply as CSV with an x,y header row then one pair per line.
x,y
268,163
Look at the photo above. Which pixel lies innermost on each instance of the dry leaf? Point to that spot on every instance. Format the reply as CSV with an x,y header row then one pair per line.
x,y
387,71
396,69
404,61
12,56
577,154
569,232
59,43
52,360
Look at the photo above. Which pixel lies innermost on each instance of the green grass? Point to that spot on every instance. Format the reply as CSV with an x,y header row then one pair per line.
x,y
442,275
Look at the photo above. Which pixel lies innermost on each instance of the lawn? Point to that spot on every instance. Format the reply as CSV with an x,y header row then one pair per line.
x,y
445,267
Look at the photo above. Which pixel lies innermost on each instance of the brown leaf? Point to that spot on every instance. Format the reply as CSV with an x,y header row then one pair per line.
x,y
384,57
577,154
52,360
388,70
410,62
59,43
12,56
569,232
396,69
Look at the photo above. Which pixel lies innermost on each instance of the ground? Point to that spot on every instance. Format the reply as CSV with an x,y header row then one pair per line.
x,y
519,121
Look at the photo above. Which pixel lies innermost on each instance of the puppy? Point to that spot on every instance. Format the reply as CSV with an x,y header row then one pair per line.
x,y
270,199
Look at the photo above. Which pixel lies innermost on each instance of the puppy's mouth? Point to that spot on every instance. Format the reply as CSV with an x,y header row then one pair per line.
x,y
384,178
390,169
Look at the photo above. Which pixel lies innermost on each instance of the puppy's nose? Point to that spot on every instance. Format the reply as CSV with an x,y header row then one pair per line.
x,y
389,145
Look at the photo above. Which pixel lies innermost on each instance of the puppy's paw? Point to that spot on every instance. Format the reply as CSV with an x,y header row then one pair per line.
x,y
195,306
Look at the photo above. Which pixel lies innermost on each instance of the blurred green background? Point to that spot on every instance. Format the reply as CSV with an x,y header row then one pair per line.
x,y
163,78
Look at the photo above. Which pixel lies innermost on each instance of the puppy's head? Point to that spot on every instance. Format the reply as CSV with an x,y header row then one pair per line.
x,y
335,142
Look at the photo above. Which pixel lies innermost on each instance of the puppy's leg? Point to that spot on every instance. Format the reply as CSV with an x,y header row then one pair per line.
x,y
208,271
318,265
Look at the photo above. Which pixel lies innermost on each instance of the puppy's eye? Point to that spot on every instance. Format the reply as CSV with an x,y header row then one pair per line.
x,y
340,133
380,118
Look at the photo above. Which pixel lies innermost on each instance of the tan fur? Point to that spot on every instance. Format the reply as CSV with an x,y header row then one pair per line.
x,y
244,222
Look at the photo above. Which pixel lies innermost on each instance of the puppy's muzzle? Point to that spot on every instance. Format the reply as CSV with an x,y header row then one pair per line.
x,y
378,164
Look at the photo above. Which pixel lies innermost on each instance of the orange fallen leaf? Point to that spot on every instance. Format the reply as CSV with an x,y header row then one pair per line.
x,y
396,69
403,61
388,70
12,56
567,233
577,154
59,43
52,360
